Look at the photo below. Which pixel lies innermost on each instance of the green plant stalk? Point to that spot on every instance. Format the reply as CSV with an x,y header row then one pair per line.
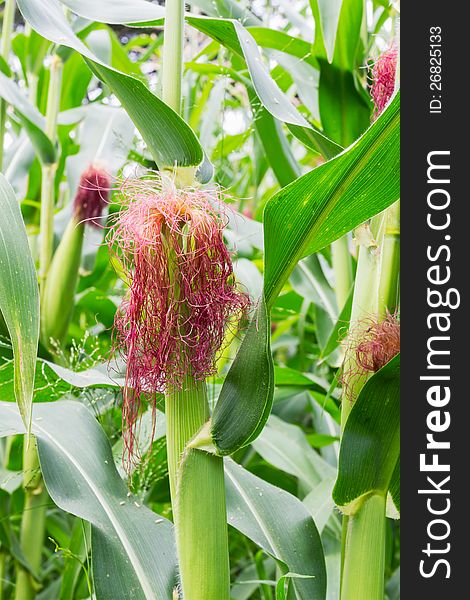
x,y
374,276
172,69
365,303
342,268
5,45
33,523
59,290
49,171
198,497
363,572
390,271
2,572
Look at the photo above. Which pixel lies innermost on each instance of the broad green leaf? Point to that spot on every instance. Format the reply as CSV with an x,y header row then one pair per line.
x,y
246,397
370,444
31,119
228,8
168,137
334,198
19,298
344,113
133,548
280,524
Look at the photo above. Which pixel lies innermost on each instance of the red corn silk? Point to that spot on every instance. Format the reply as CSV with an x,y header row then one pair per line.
x,y
182,294
92,196
383,79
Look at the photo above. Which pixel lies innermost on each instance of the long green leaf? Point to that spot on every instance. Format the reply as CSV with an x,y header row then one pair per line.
x,y
370,445
234,36
280,524
133,548
168,137
326,203
19,297
246,397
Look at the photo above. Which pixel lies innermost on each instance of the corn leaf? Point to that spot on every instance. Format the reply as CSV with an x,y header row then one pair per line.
x,y
169,138
334,198
280,524
19,298
370,445
133,548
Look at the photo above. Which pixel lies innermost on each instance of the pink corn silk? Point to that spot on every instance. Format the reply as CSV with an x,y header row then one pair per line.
x,y
374,344
182,292
380,344
383,79
92,196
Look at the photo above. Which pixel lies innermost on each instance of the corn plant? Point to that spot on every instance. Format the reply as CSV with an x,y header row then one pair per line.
x,y
199,300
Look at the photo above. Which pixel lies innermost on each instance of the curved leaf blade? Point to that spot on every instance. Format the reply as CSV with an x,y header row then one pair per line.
x,y
19,298
326,203
370,445
168,137
280,524
246,397
133,549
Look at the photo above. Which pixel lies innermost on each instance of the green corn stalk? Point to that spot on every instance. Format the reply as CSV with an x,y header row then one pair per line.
x,y
49,171
196,477
375,293
342,269
33,523
198,497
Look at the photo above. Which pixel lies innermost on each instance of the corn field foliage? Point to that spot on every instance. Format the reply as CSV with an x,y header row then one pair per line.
x,y
199,310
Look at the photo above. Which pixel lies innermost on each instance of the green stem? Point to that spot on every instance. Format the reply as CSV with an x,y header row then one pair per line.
x,y
363,573
342,268
33,523
198,498
5,45
187,410
390,269
49,171
365,305
2,572
172,71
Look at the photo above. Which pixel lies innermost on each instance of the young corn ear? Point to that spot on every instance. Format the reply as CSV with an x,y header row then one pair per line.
x,y
182,293
59,290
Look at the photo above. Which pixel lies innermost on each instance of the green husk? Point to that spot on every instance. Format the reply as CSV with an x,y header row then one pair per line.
x,y
59,290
